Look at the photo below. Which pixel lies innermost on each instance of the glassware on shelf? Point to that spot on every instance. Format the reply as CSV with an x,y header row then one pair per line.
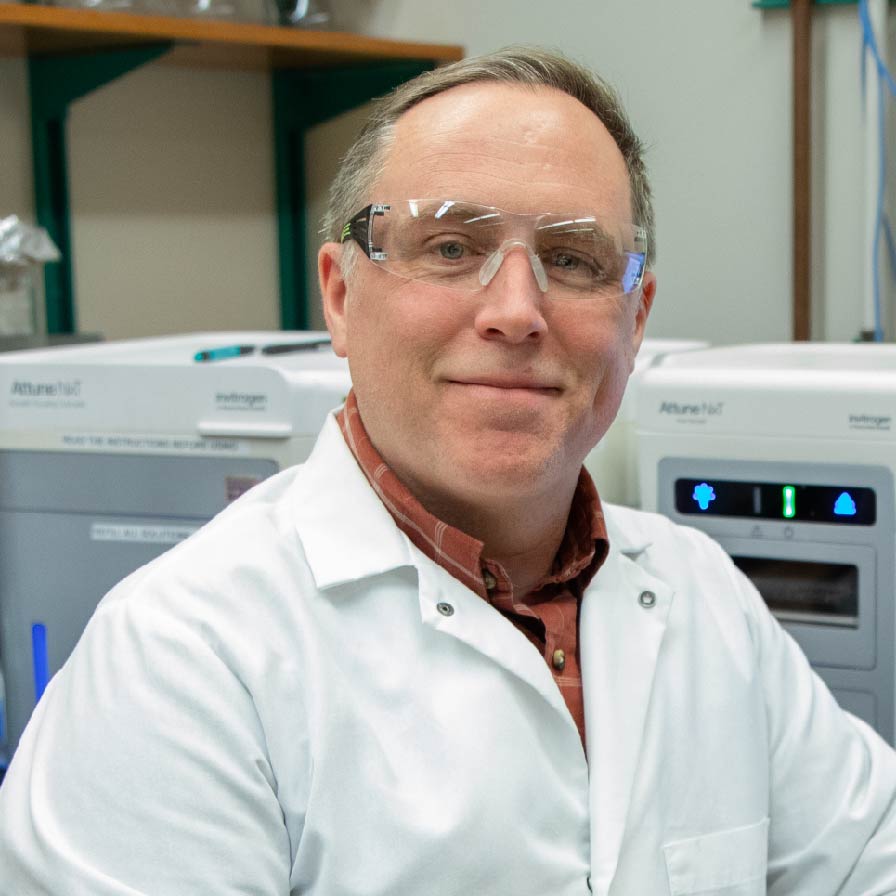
x,y
23,249
264,12
261,12
305,13
115,5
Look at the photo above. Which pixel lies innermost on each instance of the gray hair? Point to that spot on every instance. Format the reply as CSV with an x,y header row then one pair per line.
x,y
530,66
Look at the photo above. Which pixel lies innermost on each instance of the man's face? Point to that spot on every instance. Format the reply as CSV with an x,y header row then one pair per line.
x,y
496,394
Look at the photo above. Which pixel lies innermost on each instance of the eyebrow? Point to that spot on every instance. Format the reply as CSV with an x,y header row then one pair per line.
x,y
589,226
469,213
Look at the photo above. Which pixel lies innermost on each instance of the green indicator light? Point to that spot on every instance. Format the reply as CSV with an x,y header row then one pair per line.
x,y
789,494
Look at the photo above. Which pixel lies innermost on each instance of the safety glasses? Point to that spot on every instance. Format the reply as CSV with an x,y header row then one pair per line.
x,y
461,246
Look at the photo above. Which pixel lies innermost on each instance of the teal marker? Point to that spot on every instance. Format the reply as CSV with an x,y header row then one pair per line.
x,y
225,351
789,493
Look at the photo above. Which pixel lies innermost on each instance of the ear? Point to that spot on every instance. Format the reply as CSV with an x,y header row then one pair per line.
x,y
645,303
333,290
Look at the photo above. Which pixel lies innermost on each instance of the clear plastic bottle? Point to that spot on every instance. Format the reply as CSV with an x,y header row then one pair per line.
x,y
305,13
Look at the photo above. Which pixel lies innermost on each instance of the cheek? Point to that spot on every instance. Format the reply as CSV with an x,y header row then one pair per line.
x,y
395,335
604,347
599,341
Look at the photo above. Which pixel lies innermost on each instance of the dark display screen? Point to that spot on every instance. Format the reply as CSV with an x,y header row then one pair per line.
x,y
842,504
801,590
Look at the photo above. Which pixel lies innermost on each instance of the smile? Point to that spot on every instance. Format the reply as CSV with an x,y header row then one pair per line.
x,y
507,389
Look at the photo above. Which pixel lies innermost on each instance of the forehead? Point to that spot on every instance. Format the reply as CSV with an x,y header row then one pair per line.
x,y
519,148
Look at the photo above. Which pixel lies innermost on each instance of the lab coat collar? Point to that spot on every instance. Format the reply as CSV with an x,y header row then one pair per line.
x,y
346,532
626,531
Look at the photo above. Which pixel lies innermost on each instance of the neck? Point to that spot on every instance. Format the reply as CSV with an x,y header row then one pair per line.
x,y
523,534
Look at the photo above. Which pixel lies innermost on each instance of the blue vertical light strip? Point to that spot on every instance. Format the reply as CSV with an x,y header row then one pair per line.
x,y
39,659
3,754
869,45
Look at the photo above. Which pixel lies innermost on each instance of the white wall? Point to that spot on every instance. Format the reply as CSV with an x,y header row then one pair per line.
x,y
15,141
16,186
707,83
172,195
171,168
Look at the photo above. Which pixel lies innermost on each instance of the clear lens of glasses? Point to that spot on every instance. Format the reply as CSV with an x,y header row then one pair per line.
x,y
461,245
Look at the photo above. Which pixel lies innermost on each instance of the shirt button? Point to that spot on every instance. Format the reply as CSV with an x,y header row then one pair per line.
x,y
490,581
558,660
445,609
647,599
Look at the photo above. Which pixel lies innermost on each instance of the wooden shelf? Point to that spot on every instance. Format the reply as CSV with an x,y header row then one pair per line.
x,y
31,29
315,75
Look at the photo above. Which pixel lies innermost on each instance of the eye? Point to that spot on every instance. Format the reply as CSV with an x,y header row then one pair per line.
x,y
570,261
451,250
565,260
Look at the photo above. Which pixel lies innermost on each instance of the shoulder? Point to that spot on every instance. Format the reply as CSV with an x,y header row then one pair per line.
x,y
258,538
239,580
246,533
264,568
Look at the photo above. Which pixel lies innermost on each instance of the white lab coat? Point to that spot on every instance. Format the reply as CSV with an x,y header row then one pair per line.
x,y
296,700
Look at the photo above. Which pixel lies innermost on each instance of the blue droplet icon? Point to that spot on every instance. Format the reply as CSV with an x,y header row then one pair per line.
x,y
703,495
844,505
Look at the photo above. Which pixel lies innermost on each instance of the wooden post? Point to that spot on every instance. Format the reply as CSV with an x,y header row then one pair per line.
x,y
801,14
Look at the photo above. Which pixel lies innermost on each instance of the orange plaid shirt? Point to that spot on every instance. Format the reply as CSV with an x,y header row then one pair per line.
x,y
549,614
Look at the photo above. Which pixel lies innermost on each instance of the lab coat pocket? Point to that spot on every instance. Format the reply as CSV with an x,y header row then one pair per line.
x,y
727,863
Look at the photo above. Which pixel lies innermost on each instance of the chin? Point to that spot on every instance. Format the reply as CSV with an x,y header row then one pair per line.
x,y
510,471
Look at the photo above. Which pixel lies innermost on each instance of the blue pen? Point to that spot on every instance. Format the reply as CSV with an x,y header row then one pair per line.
x,y
226,351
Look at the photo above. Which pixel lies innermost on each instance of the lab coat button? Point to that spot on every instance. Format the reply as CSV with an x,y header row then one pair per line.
x,y
647,599
588,882
445,609
558,660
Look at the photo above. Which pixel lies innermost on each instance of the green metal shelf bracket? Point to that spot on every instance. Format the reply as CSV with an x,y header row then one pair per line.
x,y
55,82
301,99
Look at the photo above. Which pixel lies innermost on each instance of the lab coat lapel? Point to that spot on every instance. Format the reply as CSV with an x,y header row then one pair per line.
x,y
479,625
622,624
348,535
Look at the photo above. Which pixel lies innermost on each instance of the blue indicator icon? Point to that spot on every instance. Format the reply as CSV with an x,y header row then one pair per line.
x,y
844,505
703,495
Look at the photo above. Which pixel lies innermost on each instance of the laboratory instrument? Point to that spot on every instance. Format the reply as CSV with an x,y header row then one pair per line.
x,y
112,453
786,455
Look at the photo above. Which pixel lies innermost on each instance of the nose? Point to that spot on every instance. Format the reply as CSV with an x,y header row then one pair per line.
x,y
512,296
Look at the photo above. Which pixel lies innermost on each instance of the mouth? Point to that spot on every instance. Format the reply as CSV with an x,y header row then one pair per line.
x,y
508,384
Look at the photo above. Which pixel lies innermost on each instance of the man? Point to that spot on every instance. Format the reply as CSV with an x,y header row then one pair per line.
x,y
427,661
